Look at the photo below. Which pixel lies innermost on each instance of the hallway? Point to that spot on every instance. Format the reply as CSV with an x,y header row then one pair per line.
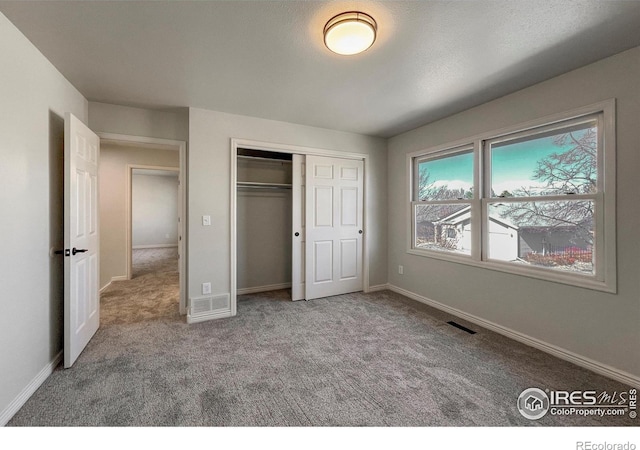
x,y
151,295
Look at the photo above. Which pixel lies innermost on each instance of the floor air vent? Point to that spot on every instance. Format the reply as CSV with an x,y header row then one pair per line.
x,y
200,305
457,325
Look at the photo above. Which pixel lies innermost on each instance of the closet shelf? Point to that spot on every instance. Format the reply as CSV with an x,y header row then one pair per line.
x,y
257,185
262,158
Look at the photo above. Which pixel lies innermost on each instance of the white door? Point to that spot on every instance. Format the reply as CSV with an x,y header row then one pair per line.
x,y
298,228
81,238
334,206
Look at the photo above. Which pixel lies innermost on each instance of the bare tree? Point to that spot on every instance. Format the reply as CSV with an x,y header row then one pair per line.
x,y
571,171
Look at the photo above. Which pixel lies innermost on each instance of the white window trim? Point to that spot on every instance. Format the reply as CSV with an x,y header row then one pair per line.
x,y
606,274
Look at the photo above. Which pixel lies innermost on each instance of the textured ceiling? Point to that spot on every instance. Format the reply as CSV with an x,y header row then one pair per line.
x,y
267,59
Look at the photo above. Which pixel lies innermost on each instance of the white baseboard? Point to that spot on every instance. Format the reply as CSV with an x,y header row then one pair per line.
x,y
140,247
579,360
269,287
118,278
378,287
276,287
28,391
208,316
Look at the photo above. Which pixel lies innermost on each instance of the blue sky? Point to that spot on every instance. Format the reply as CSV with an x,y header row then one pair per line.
x,y
453,170
513,165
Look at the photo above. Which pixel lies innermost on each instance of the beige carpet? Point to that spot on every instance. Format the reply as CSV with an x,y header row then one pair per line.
x,y
152,294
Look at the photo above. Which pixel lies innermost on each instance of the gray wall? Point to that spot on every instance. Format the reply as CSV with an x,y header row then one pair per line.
x,y
598,326
264,238
210,136
154,207
34,97
114,162
163,124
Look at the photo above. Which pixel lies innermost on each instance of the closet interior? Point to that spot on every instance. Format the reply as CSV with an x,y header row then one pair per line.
x,y
264,226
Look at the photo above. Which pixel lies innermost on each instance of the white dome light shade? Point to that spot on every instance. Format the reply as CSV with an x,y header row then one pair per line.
x,y
350,33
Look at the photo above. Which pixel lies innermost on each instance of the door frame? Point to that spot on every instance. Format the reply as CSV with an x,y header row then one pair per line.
x,y
130,169
158,144
291,149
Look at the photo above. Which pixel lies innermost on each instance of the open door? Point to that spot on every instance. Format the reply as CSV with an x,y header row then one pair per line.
x,y
298,228
334,217
81,237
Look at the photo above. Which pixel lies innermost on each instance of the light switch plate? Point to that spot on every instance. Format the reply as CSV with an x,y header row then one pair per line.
x,y
206,220
206,288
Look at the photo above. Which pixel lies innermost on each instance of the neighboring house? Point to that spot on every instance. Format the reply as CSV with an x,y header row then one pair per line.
x,y
549,240
508,241
454,232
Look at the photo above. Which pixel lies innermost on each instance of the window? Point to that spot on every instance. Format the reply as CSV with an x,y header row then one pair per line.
x,y
538,200
443,189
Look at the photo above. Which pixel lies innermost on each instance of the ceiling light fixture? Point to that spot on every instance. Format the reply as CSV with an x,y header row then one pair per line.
x,y
350,33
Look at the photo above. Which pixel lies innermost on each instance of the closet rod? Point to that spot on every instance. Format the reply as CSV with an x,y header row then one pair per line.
x,y
255,185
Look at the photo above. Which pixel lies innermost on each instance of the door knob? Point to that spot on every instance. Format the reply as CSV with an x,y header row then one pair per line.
x,y
360,231
296,234
79,250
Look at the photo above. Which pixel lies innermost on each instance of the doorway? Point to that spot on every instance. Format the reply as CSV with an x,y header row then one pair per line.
x,y
264,208
153,221
163,155
241,149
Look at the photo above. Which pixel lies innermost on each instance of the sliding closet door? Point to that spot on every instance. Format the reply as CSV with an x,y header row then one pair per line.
x,y
334,215
298,228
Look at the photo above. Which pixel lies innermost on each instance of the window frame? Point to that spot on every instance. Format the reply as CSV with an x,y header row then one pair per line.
x,y
604,277
474,202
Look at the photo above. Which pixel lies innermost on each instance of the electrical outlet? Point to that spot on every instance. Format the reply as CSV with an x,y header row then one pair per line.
x,y
166,236
401,270
206,221
206,288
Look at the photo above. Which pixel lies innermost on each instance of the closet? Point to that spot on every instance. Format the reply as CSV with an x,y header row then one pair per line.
x,y
299,223
263,221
